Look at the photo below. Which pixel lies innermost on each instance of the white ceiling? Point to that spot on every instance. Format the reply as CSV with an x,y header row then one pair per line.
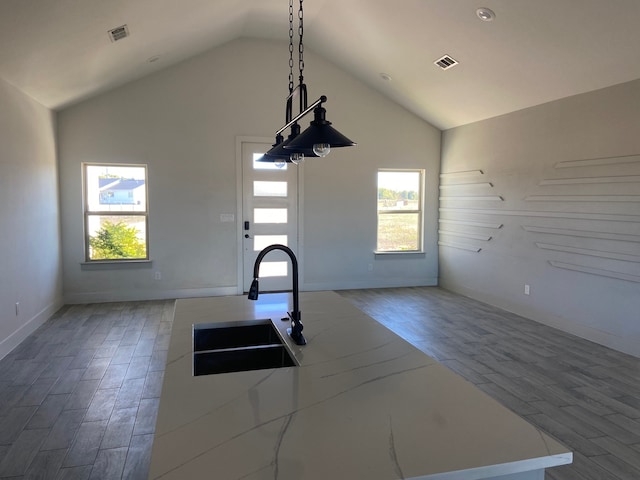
x,y
535,51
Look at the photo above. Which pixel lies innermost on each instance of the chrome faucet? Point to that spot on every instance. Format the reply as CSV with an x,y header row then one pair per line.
x,y
295,332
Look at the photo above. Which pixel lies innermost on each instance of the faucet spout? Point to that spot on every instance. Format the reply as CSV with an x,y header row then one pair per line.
x,y
295,332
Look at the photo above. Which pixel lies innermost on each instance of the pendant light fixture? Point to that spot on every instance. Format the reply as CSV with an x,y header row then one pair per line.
x,y
320,137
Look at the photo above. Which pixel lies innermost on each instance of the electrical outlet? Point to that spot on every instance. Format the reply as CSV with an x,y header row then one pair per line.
x,y
157,276
370,267
527,289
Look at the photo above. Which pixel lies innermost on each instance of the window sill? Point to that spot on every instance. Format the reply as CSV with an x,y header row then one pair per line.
x,y
403,254
115,264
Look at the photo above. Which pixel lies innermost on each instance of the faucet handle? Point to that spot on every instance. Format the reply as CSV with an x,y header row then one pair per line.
x,y
253,290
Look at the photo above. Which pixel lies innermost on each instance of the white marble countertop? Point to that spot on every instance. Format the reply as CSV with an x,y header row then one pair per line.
x,y
363,404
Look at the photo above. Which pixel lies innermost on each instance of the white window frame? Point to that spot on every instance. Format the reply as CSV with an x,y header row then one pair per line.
x,y
419,211
88,213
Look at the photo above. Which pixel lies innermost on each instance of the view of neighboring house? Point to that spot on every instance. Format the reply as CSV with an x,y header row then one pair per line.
x,y
121,191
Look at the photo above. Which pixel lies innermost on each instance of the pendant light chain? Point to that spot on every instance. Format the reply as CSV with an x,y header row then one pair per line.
x,y
291,85
301,45
319,138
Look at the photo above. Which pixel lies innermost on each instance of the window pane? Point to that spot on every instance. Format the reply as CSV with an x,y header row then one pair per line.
x,y
269,189
266,165
269,215
398,232
262,241
115,188
273,269
398,190
114,237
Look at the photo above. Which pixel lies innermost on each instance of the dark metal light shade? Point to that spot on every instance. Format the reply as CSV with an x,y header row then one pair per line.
x,y
319,132
269,157
279,152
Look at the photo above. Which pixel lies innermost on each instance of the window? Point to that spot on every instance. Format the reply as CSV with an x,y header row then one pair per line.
x,y
115,212
400,210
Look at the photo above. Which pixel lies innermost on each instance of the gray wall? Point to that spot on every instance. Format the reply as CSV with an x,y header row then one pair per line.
x,y
184,121
30,262
568,220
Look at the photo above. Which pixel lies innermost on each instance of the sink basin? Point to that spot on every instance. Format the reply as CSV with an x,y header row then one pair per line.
x,y
216,336
238,346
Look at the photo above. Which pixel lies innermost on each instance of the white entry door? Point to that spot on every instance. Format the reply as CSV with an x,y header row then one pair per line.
x,y
270,215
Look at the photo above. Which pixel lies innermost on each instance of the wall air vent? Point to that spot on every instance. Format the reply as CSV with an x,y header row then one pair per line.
x,y
446,62
118,33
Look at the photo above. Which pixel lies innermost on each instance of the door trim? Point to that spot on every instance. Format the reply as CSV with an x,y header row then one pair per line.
x,y
239,213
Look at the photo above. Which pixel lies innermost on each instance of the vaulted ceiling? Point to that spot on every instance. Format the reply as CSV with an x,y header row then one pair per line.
x,y
534,51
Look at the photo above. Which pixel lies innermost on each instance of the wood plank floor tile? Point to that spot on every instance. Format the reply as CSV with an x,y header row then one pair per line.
x,y
86,444
617,466
82,395
582,468
138,457
47,414
22,452
603,424
119,429
45,465
620,450
14,422
64,430
109,464
75,473
613,403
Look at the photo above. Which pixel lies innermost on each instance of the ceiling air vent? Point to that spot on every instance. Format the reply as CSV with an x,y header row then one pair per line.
x,y
446,62
118,33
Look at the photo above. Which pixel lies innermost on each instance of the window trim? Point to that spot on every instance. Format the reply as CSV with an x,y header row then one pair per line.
x,y
419,211
87,213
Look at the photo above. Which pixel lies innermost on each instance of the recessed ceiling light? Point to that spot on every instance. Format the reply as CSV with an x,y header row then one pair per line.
x,y
386,77
485,14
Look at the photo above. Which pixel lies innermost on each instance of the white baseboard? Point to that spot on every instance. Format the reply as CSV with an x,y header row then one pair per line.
x,y
30,326
374,283
141,295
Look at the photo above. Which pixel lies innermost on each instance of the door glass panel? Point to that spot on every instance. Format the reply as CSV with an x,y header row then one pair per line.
x,y
269,215
262,241
266,165
273,269
269,189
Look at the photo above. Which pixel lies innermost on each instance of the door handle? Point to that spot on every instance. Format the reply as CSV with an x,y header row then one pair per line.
x,y
246,225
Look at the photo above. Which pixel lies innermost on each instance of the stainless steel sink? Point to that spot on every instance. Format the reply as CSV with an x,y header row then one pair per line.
x,y
238,346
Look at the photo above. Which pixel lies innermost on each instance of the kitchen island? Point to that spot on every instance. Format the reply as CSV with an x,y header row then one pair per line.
x,y
362,404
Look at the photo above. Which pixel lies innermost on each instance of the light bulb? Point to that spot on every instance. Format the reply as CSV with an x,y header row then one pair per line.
x,y
280,163
321,149
296,158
